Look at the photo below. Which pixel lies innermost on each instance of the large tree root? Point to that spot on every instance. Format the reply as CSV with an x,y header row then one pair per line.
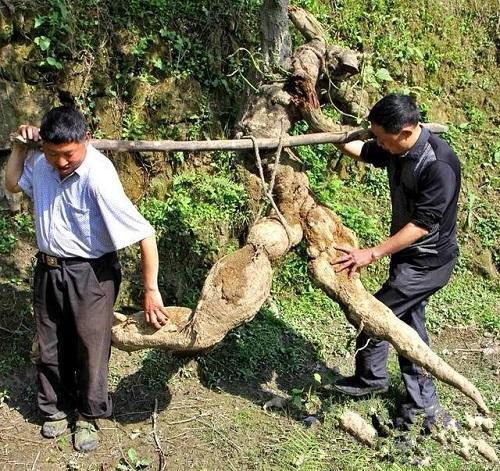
x,y
235,289
323,231
239,283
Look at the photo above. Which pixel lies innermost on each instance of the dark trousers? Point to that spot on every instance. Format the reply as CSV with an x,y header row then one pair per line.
x,y
405,293
73,305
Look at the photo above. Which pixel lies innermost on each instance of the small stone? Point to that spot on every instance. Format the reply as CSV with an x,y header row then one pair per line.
x,y
312,422
470,422
426,461
479,421
464,452
276,401
487,424
134,434
492,350
464,441
441,437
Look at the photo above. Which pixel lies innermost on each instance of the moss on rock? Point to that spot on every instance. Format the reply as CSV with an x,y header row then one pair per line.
x,y
21,103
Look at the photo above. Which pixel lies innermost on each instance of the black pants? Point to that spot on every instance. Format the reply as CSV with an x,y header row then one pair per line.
x,y
73,306
405,293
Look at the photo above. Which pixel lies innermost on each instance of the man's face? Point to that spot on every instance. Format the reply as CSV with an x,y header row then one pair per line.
x,y
395,144
65,157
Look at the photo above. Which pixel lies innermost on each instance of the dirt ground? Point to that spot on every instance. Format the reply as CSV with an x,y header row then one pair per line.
x,y
198,427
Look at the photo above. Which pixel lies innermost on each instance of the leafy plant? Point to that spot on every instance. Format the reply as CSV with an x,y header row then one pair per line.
x,y
133,462
196,202
7,238
53,26
133,126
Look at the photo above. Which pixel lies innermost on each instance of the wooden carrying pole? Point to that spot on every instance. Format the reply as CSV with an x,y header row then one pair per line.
x,y
239,144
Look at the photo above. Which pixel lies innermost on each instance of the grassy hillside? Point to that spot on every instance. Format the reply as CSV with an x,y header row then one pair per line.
x,y
178,69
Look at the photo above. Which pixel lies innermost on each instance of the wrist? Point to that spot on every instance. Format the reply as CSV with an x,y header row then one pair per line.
x,y
376,254
19,150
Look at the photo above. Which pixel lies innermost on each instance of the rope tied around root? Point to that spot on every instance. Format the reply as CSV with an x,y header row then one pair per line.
x,y
268,189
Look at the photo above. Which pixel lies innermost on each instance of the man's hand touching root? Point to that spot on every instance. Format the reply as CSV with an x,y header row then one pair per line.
x,y
353,259
154,311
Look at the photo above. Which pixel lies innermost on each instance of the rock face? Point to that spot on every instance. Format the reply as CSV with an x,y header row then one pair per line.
x,y
14,61
175,100
21,103
6,26
131,175
8,201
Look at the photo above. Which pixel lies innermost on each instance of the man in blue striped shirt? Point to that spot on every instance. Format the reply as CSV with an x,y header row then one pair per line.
x,y
82,217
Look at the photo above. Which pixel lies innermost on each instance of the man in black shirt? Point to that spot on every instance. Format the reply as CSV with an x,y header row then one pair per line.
x,y
424,180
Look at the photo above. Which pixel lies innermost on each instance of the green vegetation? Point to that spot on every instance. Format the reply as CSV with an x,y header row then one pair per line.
x,y
133,462
195,225
7,239
13,228
178,70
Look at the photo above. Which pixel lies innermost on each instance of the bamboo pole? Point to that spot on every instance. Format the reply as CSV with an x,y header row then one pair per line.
x,y
238,144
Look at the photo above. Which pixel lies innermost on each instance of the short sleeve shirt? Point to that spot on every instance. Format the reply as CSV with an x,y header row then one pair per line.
x,y
87,214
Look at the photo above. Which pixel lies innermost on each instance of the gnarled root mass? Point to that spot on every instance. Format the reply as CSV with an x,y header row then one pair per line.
x,y
239,283
236,287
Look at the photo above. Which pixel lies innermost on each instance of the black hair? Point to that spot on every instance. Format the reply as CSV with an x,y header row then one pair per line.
x,y
62,125
394,112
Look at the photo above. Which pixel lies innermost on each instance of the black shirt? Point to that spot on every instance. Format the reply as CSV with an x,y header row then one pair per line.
x,y
424,184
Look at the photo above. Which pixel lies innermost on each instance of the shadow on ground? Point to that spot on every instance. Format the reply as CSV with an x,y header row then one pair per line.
x,y
257,361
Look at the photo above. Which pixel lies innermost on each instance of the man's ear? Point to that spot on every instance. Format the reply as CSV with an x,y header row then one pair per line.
x,y
406,132
87,138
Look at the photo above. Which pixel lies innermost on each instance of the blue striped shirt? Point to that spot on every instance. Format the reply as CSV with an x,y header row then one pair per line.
x,y
87,214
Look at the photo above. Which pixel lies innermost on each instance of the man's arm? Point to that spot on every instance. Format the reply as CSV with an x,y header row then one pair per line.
x,y
354,259
154,311
352,149
15,164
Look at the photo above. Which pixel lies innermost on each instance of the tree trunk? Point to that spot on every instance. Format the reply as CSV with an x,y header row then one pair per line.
x,y
276,41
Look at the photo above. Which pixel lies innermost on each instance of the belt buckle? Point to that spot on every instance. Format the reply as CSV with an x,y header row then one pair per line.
x,y
51,261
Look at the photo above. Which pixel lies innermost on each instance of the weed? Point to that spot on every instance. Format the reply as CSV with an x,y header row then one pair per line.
x,y
7,239
24,224
133,126
195,224
488,229
302,451
457,304
133,462
13,228
198,202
